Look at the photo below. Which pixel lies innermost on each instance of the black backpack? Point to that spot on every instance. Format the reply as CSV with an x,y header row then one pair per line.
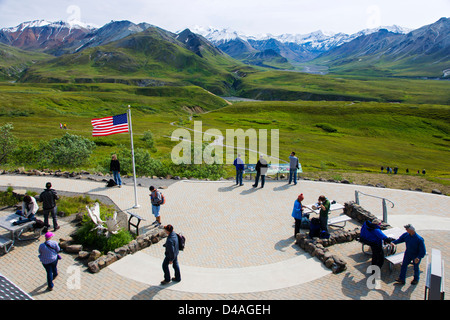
x,y
181,241
111,183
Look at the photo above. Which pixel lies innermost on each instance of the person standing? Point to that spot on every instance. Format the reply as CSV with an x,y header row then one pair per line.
x,y
415,251
171,256
239,164
48,198
297,213
156,200
324,205
293,167
114,167
48,255
372,235
261,170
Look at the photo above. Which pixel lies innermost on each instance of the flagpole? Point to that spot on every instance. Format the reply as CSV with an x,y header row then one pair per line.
x,y
136,205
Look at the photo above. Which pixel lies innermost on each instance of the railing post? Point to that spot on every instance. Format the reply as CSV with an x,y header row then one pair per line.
x,y
357,197
384,211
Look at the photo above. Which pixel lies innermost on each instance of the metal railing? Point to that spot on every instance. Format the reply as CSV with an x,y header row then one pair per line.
x,y
385,214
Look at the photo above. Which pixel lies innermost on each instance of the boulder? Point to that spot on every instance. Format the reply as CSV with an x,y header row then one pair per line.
x,y
74,248
95,254
93,266
83,255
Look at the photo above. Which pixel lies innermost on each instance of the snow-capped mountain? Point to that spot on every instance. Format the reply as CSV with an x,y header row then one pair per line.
x,y
318,40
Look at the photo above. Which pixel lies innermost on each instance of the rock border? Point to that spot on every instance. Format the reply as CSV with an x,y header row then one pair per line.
x,y
317,247
95,261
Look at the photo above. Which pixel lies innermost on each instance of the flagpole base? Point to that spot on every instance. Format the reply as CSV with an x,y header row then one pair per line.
x,y
136,206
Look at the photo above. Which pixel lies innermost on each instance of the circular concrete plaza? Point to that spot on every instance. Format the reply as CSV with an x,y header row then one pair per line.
x,y
240,244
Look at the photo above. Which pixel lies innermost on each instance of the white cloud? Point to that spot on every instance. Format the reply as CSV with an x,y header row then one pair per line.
x,y
249,16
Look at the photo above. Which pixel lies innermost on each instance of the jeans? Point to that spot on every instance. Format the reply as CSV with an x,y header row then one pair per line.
x,y
155,210
298,223
263,180
117,178
52,272
176,268
293,174
239,174
406,261
323,223
55,219
377,254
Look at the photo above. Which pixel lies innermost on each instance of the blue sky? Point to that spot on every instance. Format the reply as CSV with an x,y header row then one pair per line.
x,y
248,16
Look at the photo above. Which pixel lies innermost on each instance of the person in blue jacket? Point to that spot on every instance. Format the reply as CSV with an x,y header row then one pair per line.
x,y
372,235
297,213
415,251
239,164
171,256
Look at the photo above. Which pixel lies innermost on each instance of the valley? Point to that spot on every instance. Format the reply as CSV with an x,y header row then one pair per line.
x,y
345,112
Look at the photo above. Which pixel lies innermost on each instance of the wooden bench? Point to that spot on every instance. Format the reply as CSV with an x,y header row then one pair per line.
x,y
394,260
139,219
334,222
6,244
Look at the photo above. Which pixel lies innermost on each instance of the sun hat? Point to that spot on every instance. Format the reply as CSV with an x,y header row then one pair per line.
x,y
48,235
301,197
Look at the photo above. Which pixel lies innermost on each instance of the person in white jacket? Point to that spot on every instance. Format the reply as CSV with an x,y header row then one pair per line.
x,y
29,209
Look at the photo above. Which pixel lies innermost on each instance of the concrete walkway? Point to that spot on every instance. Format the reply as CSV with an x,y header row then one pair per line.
x,y
240,239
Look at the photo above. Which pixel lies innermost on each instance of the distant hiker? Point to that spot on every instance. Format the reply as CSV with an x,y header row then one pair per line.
x,y
239,164
60,125
324,206
65,126
415,251
297,213
395,170
293,167
48,198
156,200
171,256
423,171
382,169
407,170
48,255
114,167
261,170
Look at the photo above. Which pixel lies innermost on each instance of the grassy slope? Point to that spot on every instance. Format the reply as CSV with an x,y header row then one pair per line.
x,y
369,135
283,85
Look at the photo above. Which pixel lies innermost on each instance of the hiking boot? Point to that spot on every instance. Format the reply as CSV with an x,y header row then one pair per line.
x,y
414,282
56,228
399,281
164,282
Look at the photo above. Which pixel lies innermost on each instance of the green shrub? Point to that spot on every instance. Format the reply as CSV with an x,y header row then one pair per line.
x,y
7,198
326,127
68,151
7,142
91,239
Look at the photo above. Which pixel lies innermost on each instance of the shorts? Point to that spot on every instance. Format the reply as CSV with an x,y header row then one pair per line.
x,y
155,210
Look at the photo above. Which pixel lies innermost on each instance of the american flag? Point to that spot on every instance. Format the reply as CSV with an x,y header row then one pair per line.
x,y
110,125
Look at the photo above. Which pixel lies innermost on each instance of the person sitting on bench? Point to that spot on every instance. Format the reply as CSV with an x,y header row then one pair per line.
x,y
28,212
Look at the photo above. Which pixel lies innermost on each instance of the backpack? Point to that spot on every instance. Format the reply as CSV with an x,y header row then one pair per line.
x,y
163,199
304,224
111,183
181,241
38,224
314,228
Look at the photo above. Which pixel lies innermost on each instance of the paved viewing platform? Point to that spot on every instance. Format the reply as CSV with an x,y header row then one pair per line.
x,y
240,244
